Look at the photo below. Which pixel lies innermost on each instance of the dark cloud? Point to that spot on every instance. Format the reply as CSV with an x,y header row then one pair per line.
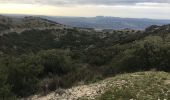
x,y
84,2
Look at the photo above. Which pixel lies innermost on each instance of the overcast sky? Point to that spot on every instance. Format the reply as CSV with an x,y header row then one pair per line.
x,y
157,9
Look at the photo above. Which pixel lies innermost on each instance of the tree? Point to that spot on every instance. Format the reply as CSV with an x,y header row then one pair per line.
x,y
23,74
57,62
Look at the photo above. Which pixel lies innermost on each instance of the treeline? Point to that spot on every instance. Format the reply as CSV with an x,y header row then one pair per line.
x,y
42,61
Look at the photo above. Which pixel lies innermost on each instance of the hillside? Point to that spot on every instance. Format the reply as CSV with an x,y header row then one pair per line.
x,y
42,60
138,86
16,24
101,22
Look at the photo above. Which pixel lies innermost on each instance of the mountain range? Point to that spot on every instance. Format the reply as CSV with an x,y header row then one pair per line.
x,y
102,22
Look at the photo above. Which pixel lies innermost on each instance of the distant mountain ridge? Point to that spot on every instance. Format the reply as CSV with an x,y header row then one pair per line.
x,y
101,22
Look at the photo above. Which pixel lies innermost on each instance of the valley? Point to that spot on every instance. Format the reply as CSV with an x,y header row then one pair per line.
x,y
45,60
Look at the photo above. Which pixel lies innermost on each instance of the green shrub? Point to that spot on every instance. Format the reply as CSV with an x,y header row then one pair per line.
x,y
22,74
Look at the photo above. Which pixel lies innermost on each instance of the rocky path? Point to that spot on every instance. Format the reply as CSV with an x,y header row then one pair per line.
x,y
77,93
156,82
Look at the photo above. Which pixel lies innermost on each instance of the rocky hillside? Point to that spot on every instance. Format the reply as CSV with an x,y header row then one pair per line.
x,y
135,86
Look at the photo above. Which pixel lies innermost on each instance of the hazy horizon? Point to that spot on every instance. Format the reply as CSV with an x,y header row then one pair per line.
x,y
36,15
152,9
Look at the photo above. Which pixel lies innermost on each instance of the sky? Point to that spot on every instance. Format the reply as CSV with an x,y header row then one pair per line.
x,y
155,9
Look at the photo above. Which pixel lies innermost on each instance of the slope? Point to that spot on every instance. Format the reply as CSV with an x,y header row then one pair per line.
x,y
16,24
137,86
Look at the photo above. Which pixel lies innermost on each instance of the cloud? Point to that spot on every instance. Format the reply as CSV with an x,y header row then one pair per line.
x,y
84,2
157,9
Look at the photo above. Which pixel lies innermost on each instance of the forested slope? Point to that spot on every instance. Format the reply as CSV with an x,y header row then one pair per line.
x,y
40,61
